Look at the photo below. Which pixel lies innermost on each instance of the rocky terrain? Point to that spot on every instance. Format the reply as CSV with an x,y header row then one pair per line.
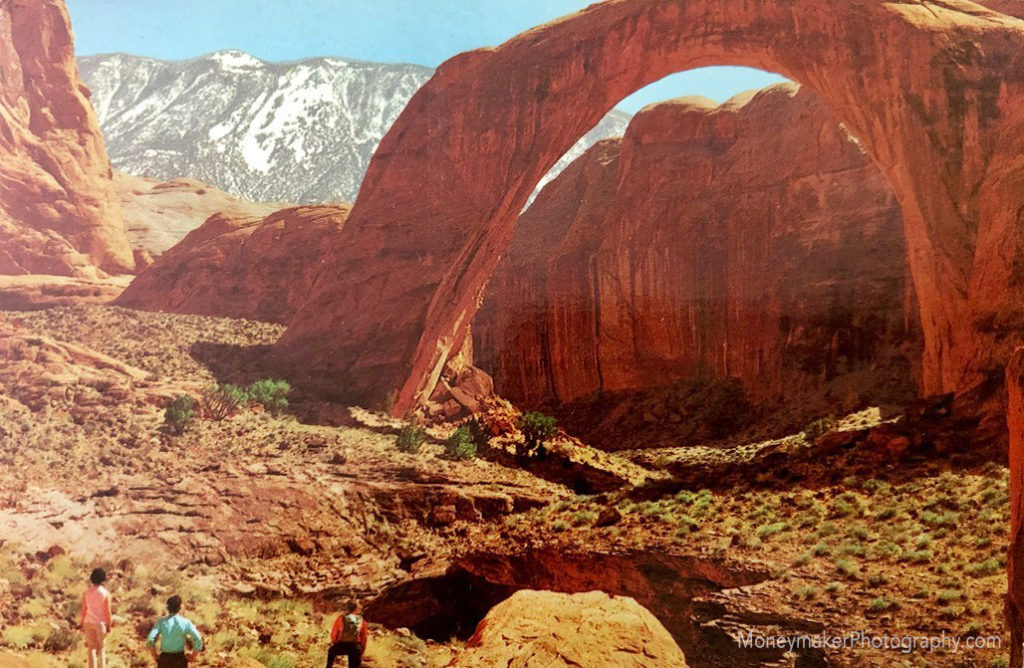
x,y
59,213
281,516
687,249
291,132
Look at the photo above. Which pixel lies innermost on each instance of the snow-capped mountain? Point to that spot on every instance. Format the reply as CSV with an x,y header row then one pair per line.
x,y
298,132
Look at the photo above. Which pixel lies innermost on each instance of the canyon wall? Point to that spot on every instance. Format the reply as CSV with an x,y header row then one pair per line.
x,y
59,213
753,240
238,266
934,92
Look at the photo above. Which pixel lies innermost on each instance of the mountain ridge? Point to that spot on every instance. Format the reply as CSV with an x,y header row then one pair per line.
x,y
300,131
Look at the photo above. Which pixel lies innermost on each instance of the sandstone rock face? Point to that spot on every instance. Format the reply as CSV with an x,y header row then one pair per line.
x,y
1015,561
753,240
1011,7
934,92
241,267
157,215
59,213
541,628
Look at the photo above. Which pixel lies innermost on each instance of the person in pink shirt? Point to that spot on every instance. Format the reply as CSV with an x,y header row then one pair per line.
x,y
96,618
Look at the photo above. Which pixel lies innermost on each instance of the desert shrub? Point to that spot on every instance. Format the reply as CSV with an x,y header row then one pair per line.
x,y
820,427
847,567
834,587
410,438
536,429
878,579
918,556
584,517
179,414
272,394
271,659
880,604
61,639
949,595
985,568
480,434
767,530
460,444
220,401
805,593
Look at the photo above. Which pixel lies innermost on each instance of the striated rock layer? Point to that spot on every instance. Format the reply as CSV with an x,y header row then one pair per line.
x,y
59,213
240,267
934,92
753,240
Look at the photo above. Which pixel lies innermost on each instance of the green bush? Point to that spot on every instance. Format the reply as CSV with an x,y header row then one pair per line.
x,y
480,434
272,394
536,429
818,428
220,401
460,444
179,414
410,438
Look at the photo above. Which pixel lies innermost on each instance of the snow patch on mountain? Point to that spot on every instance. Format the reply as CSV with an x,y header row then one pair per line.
x,y
299,131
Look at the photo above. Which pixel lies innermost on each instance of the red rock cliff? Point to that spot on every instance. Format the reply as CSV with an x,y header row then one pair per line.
x,y
753,240
240,267
59,213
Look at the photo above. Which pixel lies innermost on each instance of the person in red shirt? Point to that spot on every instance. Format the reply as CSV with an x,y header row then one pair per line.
x,y
96,618
348,637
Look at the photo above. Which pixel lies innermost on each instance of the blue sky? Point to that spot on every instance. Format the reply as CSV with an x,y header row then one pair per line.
x,y
425,32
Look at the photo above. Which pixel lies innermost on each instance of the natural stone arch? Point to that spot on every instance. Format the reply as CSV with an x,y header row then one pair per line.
x,y
934,90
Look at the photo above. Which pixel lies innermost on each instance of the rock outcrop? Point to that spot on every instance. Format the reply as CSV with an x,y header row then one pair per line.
x,y
59,213
933,91
534,628
241,267
157,215
752,240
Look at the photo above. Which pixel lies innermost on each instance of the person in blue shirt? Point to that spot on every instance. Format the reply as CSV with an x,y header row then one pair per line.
x,y
176,634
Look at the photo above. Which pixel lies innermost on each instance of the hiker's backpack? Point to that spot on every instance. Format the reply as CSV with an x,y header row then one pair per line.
x,y
350,626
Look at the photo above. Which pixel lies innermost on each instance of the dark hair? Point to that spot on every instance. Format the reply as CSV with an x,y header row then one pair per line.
x,y
98,577
174,604
352,606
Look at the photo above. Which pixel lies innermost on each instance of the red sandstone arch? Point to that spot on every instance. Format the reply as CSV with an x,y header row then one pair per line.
x,y
933,89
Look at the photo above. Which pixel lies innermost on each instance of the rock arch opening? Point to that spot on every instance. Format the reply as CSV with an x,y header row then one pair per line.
x,y
937,109
751,240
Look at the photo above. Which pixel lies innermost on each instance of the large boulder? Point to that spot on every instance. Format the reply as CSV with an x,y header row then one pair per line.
x,y
241,267
542,628
59,213
752,240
